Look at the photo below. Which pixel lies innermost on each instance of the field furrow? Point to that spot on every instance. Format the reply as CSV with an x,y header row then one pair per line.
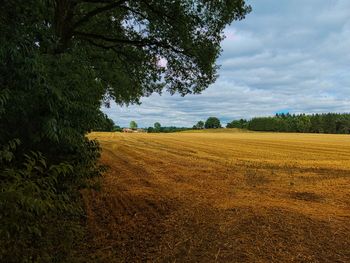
x,y
221,197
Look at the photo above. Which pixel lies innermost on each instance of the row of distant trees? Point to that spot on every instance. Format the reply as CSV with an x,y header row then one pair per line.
x,y
108,125
210,123
157,127
315,123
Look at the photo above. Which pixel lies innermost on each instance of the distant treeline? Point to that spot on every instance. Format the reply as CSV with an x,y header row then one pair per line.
x,y
107,125
166,129
316,123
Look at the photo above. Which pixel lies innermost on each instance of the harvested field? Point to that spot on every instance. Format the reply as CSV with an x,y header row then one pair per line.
x,y
221,197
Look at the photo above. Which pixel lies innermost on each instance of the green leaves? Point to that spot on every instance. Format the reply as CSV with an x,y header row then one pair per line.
x,y
31,204
6,153
58,61
123,40
212,123
316,123
4,96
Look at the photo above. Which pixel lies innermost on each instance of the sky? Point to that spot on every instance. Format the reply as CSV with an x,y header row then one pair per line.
x,y
286,56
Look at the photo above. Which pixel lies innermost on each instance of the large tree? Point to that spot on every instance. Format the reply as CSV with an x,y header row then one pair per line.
x,y
61,59
78,52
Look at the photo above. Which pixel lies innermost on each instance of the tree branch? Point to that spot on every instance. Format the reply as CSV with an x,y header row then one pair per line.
x,y
97,11
134,11
100,45
109,39
138,43
160,14
96,1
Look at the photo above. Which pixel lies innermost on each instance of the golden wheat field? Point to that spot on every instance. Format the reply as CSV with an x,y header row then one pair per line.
x,y
221,197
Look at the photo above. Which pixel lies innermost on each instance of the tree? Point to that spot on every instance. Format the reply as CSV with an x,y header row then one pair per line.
x,y
105,124
60,60
133,125
212,123
241,124
117,128
199,125
157,126
317,123
74,54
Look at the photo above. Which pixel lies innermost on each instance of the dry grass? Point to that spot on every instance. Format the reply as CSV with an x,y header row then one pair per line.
x,y
228,197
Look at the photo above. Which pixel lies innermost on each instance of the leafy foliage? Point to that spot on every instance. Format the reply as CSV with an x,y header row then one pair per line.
x,y
133,125
164,129
241,124
199,125
212,123
157,126
316,123
32,202
60,60
106,124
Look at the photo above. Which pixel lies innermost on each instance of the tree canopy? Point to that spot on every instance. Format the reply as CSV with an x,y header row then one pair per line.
x,y
199,125
315,123
157,126
212,123
120,43
133,125
59,61
241,124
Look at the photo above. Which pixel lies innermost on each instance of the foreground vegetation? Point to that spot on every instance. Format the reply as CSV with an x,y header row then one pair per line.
x,y
221,197
60,60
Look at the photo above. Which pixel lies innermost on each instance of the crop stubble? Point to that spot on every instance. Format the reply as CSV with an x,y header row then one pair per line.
x,y
221,197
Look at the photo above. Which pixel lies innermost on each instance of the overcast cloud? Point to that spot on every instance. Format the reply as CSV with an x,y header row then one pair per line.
x,y
287,55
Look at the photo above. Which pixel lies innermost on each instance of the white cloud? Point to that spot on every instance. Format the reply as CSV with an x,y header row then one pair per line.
x,y
291,54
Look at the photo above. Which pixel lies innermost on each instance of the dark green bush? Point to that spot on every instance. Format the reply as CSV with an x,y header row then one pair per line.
x,y
40,216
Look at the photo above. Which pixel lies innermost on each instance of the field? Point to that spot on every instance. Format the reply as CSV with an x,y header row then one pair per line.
x,y
221,197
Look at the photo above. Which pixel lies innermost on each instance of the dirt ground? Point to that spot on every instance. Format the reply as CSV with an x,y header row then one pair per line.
x,y
221,197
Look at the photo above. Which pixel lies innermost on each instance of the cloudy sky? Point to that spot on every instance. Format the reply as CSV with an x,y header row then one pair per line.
x,y
286,56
